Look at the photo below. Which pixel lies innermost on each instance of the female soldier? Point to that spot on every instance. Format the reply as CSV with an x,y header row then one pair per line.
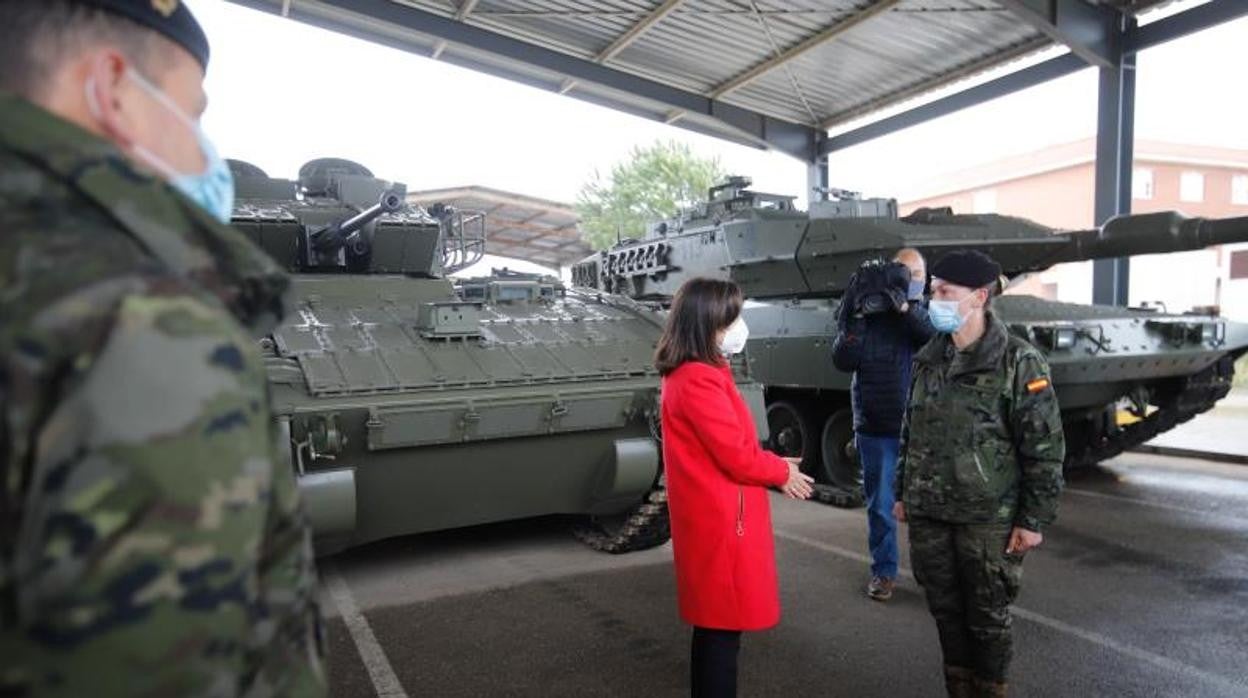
x,y
716,479
980,470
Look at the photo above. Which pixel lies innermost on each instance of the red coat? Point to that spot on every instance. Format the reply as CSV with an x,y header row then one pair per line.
x,y
721,518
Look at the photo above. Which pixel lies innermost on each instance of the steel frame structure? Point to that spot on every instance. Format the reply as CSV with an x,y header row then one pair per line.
x,y
1096,35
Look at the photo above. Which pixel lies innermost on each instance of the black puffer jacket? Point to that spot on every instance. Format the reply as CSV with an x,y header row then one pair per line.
x,y
878,350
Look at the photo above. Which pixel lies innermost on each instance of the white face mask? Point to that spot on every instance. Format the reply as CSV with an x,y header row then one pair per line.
x,y
735,338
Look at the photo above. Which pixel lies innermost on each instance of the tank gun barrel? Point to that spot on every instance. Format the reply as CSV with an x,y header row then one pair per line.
x,y
1147,233
775,251
345,232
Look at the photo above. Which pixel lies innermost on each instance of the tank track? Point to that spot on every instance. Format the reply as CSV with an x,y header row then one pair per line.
x,y
838,496
1199,393
647,526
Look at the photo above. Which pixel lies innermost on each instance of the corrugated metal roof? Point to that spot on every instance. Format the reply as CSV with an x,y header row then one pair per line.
x,y
817,63
516,225
703,45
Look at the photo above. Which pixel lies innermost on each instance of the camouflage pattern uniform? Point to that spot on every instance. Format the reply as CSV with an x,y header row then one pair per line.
x,y
982,450
151,541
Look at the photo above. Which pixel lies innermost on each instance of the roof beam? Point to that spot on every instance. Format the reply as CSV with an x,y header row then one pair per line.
x,y
404,26
1187,22
802,48
634,33
492,196
627,38
1091,32
916,90
582,242
558,242
503,225
503,250
1153,34
465,8
1008,84
525,240
534,217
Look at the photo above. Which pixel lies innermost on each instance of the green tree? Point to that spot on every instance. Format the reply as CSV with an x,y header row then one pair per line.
x,y
653,183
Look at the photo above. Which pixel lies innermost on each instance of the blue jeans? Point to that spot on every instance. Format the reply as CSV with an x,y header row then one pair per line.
x,y
878,455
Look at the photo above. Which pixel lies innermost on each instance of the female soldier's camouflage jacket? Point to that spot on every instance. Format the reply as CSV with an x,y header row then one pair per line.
x,y
982,440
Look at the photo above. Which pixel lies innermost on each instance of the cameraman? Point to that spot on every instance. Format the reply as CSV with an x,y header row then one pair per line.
x,y
877,348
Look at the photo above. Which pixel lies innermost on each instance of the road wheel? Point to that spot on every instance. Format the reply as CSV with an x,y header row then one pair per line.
x,y
793,434
840,456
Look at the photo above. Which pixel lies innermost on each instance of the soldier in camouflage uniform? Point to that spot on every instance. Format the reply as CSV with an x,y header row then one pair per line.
x,y
980,471
151,540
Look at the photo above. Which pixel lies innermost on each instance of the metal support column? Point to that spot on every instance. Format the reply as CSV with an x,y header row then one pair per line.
x,y
1115,138
816,178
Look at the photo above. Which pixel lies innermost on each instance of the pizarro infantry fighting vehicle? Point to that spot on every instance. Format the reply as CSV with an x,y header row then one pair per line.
x,y
794,266
416,402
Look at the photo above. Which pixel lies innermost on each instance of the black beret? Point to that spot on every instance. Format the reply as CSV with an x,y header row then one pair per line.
x,y
969,268
172,18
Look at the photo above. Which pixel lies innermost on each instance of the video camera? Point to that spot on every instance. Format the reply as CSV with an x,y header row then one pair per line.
x,y
878,286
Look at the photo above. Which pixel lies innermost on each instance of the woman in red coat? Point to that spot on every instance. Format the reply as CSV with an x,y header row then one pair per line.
x,y
717,477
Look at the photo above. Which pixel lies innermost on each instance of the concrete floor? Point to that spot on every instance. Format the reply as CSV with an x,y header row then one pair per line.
x,y
1220,430
1141,589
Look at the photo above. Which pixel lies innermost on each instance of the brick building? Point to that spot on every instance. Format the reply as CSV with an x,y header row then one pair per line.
x,y
1055,187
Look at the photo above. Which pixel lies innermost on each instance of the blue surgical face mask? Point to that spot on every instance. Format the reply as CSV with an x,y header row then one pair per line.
x,y
916,290
946,316
212,189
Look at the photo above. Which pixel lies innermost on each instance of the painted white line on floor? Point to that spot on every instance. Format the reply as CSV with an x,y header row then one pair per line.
x,y
1159,661
1146,503
385,682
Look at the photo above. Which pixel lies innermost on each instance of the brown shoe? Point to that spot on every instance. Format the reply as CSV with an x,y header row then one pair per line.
x,y
959,682
990,689
881,588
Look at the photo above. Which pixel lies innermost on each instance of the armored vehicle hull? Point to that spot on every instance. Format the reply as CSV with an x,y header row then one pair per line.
x,y
1117,354
414,402
406,420
1122,375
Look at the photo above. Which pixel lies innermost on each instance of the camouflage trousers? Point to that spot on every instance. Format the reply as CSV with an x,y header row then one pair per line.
x,y
970,583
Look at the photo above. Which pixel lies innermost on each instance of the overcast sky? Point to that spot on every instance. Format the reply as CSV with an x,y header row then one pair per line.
x,y
283,93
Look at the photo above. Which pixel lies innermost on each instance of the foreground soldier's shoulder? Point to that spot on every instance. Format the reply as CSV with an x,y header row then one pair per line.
x,y
59,289
42,258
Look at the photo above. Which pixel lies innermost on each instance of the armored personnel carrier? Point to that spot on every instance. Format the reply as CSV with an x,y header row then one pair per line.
x,y
1159,369
414,402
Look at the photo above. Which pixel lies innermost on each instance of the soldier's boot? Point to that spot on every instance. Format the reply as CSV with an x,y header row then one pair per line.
x,y
990,689
959,682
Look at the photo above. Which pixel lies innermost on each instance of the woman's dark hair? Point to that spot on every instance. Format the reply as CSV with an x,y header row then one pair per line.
x,y
701,308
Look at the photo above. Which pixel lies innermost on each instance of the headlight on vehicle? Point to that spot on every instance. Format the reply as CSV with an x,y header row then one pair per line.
x,y
1056,337
1064,337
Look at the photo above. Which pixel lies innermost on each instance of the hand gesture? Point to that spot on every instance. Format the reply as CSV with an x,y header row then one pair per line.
x,y
799,483
899,511
1022,540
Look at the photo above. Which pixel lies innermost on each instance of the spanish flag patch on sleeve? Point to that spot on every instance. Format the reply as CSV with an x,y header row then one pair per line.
x,y
1037,385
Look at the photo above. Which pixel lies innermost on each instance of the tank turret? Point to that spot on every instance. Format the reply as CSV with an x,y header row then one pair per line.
x,y
772,249
338,217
